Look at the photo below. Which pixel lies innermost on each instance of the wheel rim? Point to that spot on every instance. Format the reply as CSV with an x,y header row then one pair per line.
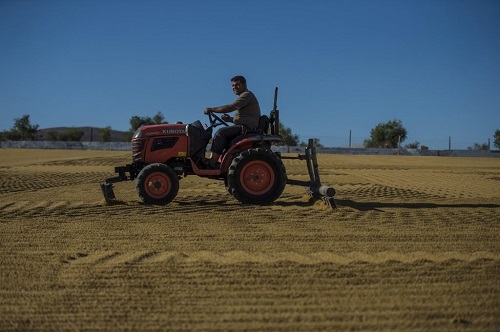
x,y
157,185
257,177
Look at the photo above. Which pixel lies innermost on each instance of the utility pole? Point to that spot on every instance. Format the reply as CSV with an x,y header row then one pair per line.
x,y
449,143
350,137
399,143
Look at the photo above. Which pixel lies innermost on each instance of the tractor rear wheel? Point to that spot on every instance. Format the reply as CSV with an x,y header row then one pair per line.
x,y
157,184
256,176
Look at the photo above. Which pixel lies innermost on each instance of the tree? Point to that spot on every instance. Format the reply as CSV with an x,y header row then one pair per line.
x,y
158,118
315,142
496,140
480,146
413,145
22,130
387,135
105,134
137,121
288,138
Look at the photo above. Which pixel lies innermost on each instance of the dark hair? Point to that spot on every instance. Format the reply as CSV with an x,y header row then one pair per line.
x,y
240,79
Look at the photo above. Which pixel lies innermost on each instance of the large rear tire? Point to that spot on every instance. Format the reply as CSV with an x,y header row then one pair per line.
x,y
157,184
256,176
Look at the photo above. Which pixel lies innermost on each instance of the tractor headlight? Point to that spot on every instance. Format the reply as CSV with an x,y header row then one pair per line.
x,y
137,134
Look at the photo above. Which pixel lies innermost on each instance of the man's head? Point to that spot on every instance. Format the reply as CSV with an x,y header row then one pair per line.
x,y
239,84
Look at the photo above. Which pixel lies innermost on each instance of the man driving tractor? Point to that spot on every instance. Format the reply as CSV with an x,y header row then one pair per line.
x,y
246,118
163,154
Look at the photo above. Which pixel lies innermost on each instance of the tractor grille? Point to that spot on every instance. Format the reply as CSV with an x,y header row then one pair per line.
x,y
138,149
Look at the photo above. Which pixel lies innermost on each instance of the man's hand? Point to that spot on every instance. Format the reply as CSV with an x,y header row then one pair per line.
x,y
208,110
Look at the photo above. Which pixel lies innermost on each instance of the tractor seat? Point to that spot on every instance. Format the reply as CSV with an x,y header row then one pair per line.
x,y
262,129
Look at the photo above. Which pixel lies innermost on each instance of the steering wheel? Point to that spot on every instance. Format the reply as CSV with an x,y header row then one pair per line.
x,y
215,120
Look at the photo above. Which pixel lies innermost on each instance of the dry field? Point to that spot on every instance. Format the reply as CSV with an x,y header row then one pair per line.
x,y
414,245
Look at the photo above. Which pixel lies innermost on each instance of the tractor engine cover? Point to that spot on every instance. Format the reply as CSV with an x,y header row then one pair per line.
x,y
159,143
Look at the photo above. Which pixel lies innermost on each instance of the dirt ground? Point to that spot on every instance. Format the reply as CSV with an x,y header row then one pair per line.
x,y
414,245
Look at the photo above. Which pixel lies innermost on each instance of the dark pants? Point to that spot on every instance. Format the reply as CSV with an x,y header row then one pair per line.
x,y
224,136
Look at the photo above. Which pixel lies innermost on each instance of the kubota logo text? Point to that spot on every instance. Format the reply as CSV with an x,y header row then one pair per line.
x,y
167,131
174,131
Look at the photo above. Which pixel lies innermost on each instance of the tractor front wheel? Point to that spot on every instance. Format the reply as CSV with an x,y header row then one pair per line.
x,y
157,184
256,176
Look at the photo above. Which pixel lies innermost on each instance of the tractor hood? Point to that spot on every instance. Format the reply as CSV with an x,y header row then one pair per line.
x,y
177,129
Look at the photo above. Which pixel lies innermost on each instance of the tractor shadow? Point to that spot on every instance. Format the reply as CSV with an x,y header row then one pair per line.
x,y
339,203
233,203
379,206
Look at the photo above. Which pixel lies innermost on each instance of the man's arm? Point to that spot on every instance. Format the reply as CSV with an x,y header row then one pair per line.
x,y
242,101
220,109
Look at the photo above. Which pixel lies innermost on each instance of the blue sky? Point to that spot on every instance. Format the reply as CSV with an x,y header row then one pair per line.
x,y
340,66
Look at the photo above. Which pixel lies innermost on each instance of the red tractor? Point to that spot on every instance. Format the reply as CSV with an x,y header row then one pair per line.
x,y
252,172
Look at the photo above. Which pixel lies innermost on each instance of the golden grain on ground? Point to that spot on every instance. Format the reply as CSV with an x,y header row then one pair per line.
x,y
413,245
